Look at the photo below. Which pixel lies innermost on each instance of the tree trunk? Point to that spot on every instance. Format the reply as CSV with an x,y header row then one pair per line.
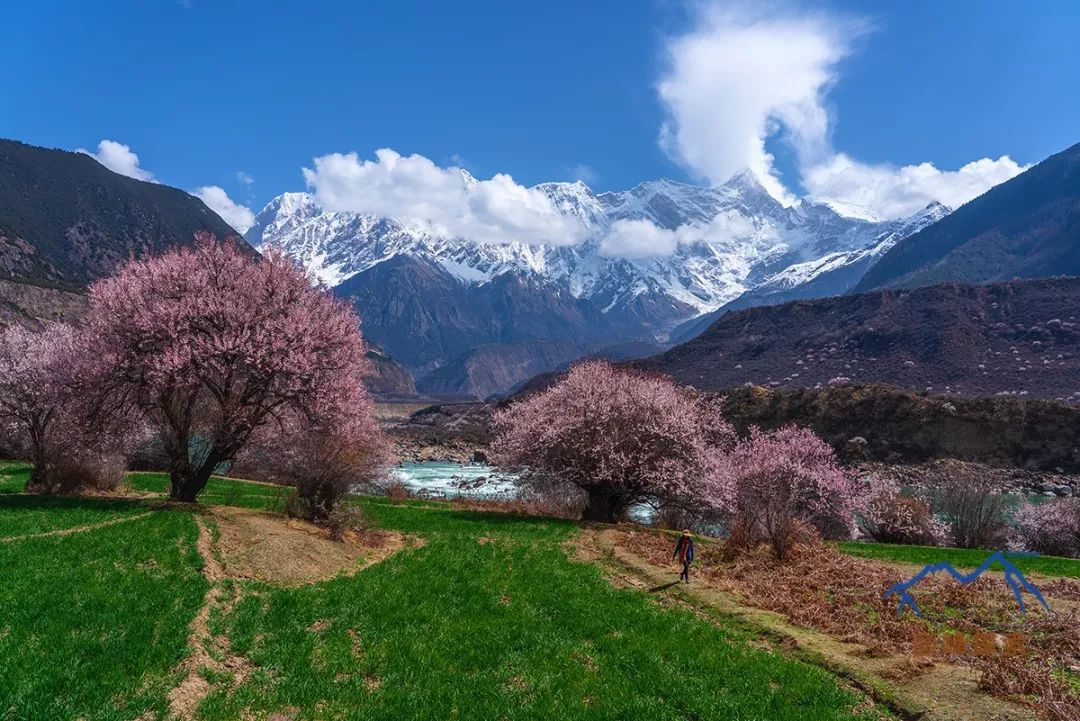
x,y
39,474
604,505
186,486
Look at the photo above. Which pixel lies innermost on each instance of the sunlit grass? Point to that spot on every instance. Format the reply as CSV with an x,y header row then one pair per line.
x,y
92,624
507,628
959,557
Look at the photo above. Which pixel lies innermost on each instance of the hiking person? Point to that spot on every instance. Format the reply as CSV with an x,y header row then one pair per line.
x,y
684,551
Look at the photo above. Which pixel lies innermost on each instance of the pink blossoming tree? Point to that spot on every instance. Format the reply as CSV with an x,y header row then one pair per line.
x,y
890,516
337,449
619,436
44,414
210,343
774,484
33,390
1051,528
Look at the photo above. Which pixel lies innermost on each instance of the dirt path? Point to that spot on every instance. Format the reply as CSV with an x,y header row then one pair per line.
x,y
77,529
925,690
252,545
208,651
262,547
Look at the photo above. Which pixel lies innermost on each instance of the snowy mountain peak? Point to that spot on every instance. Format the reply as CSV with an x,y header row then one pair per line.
x,y
723,242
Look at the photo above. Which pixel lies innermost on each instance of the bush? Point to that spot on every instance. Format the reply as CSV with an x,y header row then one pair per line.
x,y
889,516
972,508
79,470
324,459
774,486
1051,528
397,491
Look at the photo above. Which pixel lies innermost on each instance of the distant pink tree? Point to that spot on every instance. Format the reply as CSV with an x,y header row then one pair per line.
x,y
210,343
1050,528
34,384
618,435
775,484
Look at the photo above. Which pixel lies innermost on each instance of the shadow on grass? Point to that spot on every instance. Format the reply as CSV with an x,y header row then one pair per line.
x,y
32,502
494,518
666,586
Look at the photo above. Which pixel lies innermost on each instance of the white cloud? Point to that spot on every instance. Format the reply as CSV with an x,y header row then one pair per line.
x,y
119,158
236,215
895,192
645,239
245,178
447,201
743,75
638,239
585,173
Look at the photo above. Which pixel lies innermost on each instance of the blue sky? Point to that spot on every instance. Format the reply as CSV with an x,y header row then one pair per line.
x,y
208,89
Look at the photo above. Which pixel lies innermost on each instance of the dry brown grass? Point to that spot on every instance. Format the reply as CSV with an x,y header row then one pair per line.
x,y
820,588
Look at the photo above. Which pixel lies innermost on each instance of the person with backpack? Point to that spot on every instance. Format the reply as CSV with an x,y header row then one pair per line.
x,y
684,551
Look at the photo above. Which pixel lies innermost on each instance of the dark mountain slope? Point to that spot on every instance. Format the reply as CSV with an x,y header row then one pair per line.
x,y
65,219
421,315
1021,337
1027,227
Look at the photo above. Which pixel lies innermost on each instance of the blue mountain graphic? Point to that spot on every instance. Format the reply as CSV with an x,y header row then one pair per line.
x,y
1013,576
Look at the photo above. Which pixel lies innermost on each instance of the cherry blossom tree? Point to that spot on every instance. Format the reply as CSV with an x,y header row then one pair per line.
x,y
210,343
775,484
33,389
620,436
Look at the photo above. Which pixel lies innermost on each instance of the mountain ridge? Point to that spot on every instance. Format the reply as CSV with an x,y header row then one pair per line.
x,y
1026,227
1007,338
731,239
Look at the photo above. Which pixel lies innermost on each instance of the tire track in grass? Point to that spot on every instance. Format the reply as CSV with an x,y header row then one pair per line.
x,y
76,529
208,651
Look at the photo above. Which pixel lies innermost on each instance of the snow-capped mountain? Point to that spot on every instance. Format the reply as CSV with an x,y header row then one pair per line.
x,y
732,241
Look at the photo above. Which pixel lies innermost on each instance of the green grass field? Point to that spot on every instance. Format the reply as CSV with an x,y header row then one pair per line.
x,y
219,491
489,619
92,624
504,629
959,557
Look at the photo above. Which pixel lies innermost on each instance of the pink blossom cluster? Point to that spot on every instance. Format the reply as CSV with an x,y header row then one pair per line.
x,y
43,414
773,485
211,343
1050,528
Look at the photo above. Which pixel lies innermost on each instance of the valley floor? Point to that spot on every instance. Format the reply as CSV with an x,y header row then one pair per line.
x,y
134,608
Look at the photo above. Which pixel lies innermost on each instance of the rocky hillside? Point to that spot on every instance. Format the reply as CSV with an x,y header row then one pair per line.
x,y
1019,338
65,219
1028,227
885,424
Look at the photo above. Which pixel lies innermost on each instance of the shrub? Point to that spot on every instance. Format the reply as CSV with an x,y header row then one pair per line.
x,y
889,516
1050,528
397,491
973,510
775,484
342,452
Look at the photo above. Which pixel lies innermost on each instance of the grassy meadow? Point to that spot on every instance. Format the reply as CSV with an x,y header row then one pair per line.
x,y
487,619
483,616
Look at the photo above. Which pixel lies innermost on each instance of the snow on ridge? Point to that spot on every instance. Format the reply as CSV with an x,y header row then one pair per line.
x,y
744,238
